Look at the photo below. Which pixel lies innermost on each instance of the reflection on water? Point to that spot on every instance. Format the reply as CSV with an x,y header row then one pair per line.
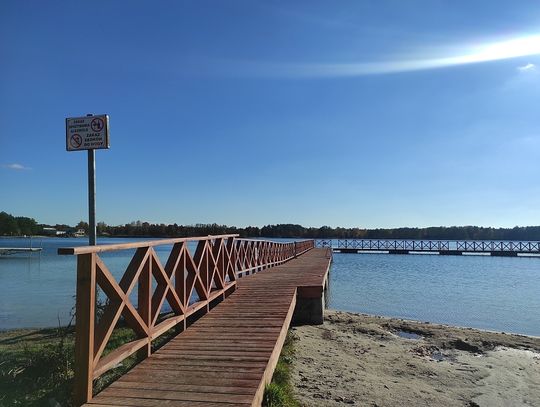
x,y
494,293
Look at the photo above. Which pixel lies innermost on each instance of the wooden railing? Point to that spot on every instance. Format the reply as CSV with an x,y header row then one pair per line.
x,y
256,255
188,283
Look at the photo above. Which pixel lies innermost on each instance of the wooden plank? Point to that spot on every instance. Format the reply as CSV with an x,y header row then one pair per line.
x,y
122,352
165,325
244,341
145,402
211,367
209,353
225,356
219,346
176,395
183,387
180,377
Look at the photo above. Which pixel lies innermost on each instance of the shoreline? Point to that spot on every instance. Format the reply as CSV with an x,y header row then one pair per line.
x,y
329,310
360,359
442,324
404,320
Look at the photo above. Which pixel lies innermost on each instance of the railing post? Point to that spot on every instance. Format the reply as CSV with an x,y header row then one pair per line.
x,y
236,257
85,308
295,251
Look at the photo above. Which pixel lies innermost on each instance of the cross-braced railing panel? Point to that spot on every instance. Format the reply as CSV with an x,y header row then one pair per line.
x,y
256,255
431,245
186,282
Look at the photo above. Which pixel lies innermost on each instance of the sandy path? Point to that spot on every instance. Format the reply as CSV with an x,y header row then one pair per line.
x,y
360,360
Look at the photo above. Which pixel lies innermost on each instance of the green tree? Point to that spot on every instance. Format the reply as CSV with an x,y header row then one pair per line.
x,y
27,226
8,225
101,228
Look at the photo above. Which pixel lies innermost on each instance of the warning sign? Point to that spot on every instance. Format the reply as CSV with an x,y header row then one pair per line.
x,y
87,133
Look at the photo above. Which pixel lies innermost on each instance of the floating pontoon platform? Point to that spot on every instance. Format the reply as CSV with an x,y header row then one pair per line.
x,y
4,251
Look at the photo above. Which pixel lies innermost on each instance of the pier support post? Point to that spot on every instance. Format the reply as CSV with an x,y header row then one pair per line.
x,y
310,304
309,311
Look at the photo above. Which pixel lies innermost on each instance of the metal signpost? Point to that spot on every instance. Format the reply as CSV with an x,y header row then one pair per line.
x,y
89,133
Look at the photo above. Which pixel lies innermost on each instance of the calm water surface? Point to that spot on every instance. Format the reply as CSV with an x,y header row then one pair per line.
x,y
503,294
494,293
38,289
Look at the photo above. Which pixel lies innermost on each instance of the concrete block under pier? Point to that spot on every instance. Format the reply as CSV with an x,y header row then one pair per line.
x,y
504,254
451,252
398,251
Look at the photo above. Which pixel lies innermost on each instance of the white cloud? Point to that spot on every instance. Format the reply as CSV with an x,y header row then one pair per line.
x,y
527,67
16,167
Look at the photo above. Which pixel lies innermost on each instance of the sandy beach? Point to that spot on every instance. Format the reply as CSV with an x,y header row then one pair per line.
x,y
363,360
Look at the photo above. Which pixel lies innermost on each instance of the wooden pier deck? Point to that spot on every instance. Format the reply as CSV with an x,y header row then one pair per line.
x,y
228,356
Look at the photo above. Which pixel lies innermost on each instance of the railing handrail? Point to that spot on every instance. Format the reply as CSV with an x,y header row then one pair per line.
x,y
269,239
210,272
136,245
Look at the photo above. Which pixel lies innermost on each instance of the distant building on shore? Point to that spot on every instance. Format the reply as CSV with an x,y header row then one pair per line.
x,y
79,233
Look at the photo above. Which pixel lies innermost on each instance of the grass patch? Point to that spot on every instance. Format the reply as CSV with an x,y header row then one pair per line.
x,y
279,393
37,365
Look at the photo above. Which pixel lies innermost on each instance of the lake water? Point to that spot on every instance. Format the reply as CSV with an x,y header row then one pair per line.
x,y
496,293
38,289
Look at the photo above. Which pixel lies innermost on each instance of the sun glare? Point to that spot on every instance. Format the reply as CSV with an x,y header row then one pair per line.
x,y
518,47
486,52
495,51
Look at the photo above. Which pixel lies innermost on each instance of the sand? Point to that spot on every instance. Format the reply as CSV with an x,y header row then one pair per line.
x,y
355,359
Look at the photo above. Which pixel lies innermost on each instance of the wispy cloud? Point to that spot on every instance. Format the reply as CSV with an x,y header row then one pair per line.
x,y
526,78
16,167
487,52
527,68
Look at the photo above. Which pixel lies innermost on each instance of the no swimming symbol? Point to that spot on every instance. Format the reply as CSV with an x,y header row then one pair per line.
x,y
75,141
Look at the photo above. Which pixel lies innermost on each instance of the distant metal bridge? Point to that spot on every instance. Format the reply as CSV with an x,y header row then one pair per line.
x,y
444,247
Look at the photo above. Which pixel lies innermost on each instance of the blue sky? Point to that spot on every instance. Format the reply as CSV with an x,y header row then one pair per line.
x,y
350,113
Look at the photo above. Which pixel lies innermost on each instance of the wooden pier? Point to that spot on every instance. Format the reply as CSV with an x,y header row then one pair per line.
x,y
224,358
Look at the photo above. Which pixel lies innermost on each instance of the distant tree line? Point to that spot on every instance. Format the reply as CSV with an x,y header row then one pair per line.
x,y
23,226
297,231
15,226
18,225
